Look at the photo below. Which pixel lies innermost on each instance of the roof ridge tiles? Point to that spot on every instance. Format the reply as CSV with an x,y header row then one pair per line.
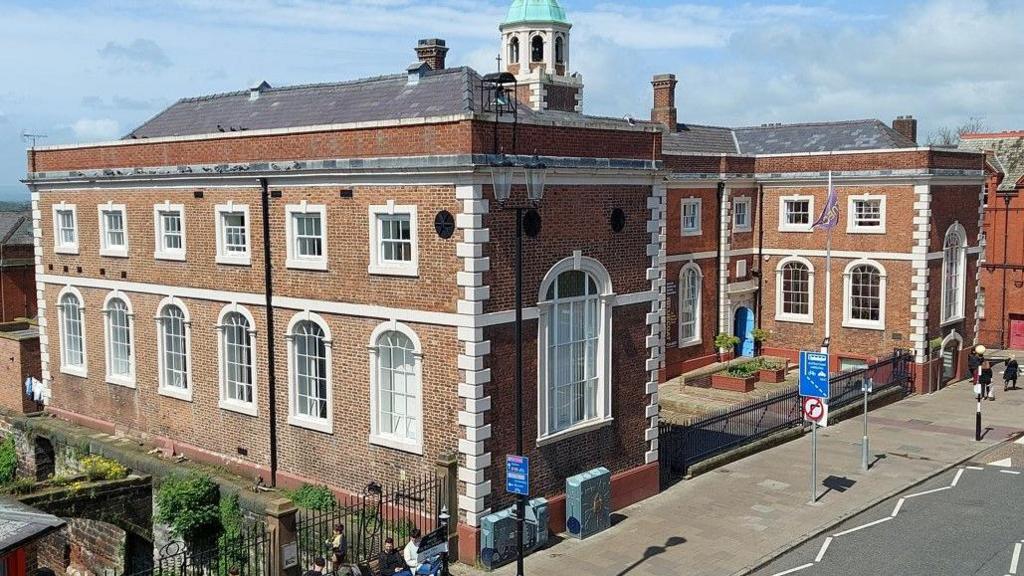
x,y
805,124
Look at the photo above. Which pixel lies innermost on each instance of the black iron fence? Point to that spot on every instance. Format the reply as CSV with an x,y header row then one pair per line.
x,y
383,510
248,551
681,446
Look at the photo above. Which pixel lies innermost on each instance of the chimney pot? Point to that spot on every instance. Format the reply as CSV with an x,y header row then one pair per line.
x,y
432,52
664,110
907,126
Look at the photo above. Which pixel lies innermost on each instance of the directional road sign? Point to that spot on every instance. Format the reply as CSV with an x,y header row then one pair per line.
x,y
814,374
517,475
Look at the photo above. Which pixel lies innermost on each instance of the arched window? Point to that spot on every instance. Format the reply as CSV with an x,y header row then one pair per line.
x,y
72,337
559,50
118,329
309,352
396,388
237,366
794,287
575,321
513,51
537,49
174,326
690,280
954,255
864,295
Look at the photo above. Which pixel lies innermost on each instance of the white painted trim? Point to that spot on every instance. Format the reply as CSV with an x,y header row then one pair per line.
x,y
58,246
748,202
378,438
699,309
691,201
224,257
159,253
325,425
958,314
118,379
848,321
784,226
781,316
853,226
113,251
234,405
162,387
295,260
690,257
74,370
379,267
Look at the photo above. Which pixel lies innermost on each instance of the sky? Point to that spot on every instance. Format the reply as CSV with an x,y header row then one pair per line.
x,y
88,70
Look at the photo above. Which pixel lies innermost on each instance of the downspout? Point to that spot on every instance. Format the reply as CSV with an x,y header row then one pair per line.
x,y
760,252
268,289
718,261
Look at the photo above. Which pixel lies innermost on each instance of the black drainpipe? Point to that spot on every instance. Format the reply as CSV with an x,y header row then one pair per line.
x,y
268,289
760,252
718,263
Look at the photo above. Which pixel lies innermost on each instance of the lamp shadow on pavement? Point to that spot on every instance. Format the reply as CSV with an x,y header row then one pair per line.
x,y
653,551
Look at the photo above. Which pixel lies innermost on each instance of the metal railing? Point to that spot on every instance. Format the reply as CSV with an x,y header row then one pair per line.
x,y
681,446
249,552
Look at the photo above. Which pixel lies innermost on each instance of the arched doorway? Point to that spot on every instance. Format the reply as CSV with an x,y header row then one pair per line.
x,y
950,359
744,330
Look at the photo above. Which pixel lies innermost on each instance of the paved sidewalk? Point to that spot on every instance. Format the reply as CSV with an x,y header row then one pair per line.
x,y
728,521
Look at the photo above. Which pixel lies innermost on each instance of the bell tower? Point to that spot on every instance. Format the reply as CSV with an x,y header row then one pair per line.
x,y
535,49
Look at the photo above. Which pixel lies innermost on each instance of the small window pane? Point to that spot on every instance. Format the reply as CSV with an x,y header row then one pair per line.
x,y
66,222
237,358
868,213
395,238
308,235
795,289
175,350
170,231
234,233
73,350
120,338
398,387
310,350
113,225
798,212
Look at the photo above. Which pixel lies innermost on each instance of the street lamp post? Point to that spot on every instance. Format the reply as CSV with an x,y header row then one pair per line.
x,y
443,519
501,179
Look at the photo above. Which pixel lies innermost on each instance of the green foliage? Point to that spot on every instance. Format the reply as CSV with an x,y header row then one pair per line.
x,y
232,527
18,486
935,343
99,468
761,335
313,497
771,364
744,370
8,460
190,505
726,341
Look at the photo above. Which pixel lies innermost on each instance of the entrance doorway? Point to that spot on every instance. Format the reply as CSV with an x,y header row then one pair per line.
x,y
950,359
744,330
1017,332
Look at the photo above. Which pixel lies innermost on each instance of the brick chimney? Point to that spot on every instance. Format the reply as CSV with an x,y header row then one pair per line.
x,y
432,51
906,125
664,110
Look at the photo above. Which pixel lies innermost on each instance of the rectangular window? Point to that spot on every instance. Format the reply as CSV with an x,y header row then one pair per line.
x,y
741,269
981,303
233,245
65,229
796,213
307,236
393,240
741,215
690,215
113,234
169,228
866,215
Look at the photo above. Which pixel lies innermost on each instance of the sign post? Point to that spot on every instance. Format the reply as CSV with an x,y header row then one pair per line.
x,y
867,385
814,392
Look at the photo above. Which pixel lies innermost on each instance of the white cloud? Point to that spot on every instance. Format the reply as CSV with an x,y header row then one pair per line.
x,y
96,129
139,54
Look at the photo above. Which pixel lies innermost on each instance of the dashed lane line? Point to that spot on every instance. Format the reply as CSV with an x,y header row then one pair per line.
x,y
1016,558
974,467
899,505
1010,471
824,547
956,479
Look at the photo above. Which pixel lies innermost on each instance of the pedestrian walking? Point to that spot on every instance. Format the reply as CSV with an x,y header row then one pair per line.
x,y
973,364
985,379
1010,374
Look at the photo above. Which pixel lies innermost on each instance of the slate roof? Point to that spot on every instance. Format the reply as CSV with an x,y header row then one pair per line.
x,y
786,138
20,523
15,228
1008,149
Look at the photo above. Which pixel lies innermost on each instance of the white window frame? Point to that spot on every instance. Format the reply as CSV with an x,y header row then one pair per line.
x,y
119,379
325,425
784,225
782,316
736,226
377,266
159,252
961,281
848,320
233,258
115,251
162,388
698,320
230,404
741,269
376,437
82,370
604,352
853,225
295,260
59,246
980,303
691,201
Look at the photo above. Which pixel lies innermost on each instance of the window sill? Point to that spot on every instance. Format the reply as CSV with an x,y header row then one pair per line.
x,y
66,250
397,444
803,229
576,430
114,252
234,260
951,321
121,381
863,325
742,229
246,408
184,394
794,319
169,256
299,264
406,271
690,343
865,230
80,371
691,233
314,424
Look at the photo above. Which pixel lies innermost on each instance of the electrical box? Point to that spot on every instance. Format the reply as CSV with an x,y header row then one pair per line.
x,y
588,503
498,533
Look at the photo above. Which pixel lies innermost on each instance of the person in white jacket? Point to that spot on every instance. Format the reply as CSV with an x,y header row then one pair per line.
x,y
412,550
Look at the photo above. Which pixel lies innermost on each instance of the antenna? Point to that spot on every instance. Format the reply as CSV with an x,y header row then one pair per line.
x,y
25,137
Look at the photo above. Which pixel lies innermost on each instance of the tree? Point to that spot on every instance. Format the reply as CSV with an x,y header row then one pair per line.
x,y
950,137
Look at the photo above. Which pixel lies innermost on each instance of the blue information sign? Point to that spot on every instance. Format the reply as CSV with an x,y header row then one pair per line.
x,y
814,374
517,475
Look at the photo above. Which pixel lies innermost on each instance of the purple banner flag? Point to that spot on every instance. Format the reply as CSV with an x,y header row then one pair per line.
x,y
830,214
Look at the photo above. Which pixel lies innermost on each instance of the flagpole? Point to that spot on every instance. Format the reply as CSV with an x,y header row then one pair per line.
x,y
828,278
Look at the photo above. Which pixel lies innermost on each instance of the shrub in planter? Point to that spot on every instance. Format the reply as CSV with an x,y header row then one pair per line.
x,y
737,378
772,370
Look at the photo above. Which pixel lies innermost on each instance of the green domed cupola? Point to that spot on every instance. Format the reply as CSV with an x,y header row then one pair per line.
x,y
535,11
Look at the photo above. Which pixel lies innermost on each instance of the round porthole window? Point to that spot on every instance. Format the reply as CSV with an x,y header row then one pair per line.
x,y
444,224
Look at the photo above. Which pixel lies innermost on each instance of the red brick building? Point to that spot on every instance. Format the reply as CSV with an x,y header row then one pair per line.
x,y
1002,273
17,267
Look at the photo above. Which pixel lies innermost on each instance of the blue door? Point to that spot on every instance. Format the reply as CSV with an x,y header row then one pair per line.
x,y
745,331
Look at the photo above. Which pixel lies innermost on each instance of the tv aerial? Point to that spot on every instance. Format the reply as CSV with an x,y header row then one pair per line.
x,y
26,137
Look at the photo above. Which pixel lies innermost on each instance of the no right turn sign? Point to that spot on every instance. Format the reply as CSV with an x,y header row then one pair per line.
x,y
815,410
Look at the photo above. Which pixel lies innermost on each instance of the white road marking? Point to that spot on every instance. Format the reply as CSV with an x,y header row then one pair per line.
x,y
1019,440
797,569
899,505
1004,463
975,468
926,492
956,478
1010,471
1016,558
868,525
824,547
